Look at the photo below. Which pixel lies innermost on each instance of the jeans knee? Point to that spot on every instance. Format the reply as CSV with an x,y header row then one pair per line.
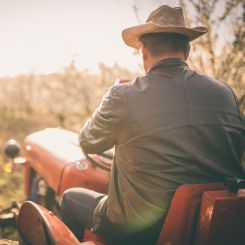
x,y
65,198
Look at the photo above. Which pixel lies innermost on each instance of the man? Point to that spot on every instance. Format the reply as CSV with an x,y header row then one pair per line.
x,y
171,126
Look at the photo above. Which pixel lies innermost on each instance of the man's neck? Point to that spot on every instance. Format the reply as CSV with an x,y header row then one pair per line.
x,y
155,59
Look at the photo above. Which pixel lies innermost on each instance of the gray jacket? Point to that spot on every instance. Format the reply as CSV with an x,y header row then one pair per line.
x,y
169,127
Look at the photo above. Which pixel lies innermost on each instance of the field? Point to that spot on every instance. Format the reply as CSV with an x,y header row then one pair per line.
x,y
11,183
16,127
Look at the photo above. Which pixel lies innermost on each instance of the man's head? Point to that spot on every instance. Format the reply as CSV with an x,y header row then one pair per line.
x,y
158,46
162,43
166,30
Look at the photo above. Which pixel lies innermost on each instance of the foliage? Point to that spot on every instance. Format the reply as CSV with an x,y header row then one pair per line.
x,y
69,96
11,188
220,52
15,125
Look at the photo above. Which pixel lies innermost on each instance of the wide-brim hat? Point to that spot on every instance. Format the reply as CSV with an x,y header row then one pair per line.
x,y
163,19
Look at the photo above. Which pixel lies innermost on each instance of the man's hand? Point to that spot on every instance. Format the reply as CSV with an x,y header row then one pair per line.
x,y
120,81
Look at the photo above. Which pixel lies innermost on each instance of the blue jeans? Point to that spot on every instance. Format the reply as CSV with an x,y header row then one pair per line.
x,y
77,209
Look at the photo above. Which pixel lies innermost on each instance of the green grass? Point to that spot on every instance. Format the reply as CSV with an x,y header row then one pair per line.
x,y
17,127
11,184
11,188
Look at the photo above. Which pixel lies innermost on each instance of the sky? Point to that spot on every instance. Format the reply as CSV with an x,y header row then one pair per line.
x,y
43,36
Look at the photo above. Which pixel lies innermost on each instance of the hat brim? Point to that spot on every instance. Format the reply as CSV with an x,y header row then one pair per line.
x,y
131,35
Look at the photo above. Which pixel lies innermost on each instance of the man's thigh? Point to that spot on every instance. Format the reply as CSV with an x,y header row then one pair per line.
x,y
78,206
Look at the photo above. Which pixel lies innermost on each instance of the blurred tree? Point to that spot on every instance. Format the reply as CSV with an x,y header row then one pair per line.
x,y
70,94
220,52
108,75
18,95
25,93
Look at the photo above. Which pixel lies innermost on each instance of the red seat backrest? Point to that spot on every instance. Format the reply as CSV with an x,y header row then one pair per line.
x,y
181,220
221,218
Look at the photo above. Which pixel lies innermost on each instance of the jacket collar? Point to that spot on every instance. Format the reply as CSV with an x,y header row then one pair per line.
x,y
170,62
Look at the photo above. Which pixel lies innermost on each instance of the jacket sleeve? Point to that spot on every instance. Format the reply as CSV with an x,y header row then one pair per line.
x,y
99,132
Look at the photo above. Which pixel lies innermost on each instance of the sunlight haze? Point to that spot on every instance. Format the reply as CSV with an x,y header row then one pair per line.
x,y
44,36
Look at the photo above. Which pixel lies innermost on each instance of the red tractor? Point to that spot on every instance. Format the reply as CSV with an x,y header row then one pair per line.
x,y
204,214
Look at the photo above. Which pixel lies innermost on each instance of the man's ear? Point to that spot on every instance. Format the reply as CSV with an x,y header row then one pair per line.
x,y
187,52
144,52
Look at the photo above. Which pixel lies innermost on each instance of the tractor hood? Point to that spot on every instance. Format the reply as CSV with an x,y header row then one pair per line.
x,y
49,151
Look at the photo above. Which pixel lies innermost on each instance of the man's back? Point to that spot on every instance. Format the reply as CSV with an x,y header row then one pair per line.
x,y
179,127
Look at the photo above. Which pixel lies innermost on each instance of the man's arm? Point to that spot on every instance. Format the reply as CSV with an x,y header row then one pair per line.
x,y
99,133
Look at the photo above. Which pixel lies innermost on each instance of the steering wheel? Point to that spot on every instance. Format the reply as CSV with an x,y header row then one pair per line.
x,y
102,160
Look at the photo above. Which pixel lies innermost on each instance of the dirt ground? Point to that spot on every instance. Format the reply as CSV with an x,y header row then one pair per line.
x,y
8,242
